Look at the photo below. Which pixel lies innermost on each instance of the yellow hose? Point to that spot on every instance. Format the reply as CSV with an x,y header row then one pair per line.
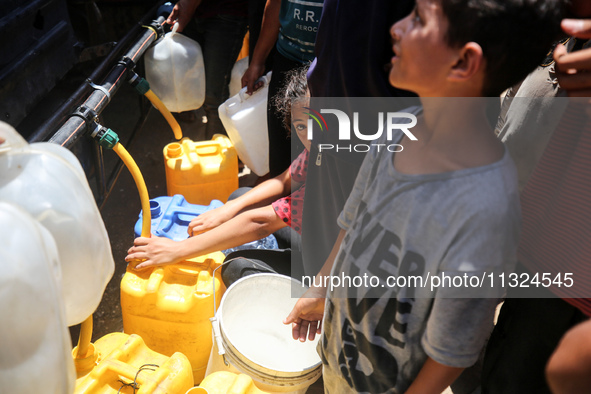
x,y
83,360
141,187
85,337
176,128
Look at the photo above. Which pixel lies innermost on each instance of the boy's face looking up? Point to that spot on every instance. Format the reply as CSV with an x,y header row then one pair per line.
x,y
422,59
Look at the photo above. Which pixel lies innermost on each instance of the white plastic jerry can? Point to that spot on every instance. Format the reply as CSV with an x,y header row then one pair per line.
x,y
238,71
245,118
47,181
36,352
175,71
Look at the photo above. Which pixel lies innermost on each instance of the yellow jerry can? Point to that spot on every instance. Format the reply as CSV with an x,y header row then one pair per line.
x,y
223,382
201,171
170,307
126,365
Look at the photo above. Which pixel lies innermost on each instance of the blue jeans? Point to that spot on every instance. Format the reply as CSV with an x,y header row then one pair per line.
x,y
220,38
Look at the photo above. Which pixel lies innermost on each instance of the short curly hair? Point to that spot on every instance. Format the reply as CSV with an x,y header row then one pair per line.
x,y
515,35
296,88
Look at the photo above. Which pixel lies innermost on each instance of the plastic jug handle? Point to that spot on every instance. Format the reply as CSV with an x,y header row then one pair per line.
x,y
265,79
215,325
243,95
10,138
204,150
155,280
175,27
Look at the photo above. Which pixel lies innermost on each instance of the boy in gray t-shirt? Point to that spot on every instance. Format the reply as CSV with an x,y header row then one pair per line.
x,y
445,205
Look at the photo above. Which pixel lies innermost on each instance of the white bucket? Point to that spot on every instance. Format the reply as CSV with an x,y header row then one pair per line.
x,y
250,337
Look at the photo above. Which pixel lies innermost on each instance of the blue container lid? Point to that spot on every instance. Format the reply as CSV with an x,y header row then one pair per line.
x,y
171,216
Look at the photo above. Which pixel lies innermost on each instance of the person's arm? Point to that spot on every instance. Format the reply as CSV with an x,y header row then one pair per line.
x,y
306,315
246,227
433,378
265,43
260,196
573,68
569,367
182,13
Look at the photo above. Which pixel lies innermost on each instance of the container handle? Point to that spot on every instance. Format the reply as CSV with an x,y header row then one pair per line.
x,y
265,79
217,334
175,27
209,144
10,139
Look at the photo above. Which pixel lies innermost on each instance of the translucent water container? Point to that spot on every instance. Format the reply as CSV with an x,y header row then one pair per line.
x,y
238,71
175,71
170,307
171,217
244,117
126,365
201,171
35,342
47,181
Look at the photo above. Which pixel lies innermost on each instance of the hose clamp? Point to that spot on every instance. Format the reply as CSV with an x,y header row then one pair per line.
x,y
100,88
126,62
87,114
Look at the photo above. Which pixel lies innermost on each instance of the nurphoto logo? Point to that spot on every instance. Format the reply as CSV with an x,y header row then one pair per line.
x,y
394,121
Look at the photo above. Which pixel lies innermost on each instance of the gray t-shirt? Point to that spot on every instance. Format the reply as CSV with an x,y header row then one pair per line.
x,y
376,339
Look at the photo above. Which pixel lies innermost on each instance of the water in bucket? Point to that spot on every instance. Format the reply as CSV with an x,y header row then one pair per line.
x,y
254,341
201,171
244,117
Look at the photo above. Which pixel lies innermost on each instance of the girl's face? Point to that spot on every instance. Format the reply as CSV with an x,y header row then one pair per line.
x,y
299,122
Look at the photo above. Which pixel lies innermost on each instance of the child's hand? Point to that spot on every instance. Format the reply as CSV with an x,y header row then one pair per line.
x,y
209,220
573,69
306,316
153,251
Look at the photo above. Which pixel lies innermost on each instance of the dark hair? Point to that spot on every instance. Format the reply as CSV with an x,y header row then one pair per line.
x,y
515,35
295,88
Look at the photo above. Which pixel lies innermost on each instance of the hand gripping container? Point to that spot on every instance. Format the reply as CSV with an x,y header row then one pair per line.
x,y
201,171
35,343
175,72
171,217
48,182
245,120
170,307
126,365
